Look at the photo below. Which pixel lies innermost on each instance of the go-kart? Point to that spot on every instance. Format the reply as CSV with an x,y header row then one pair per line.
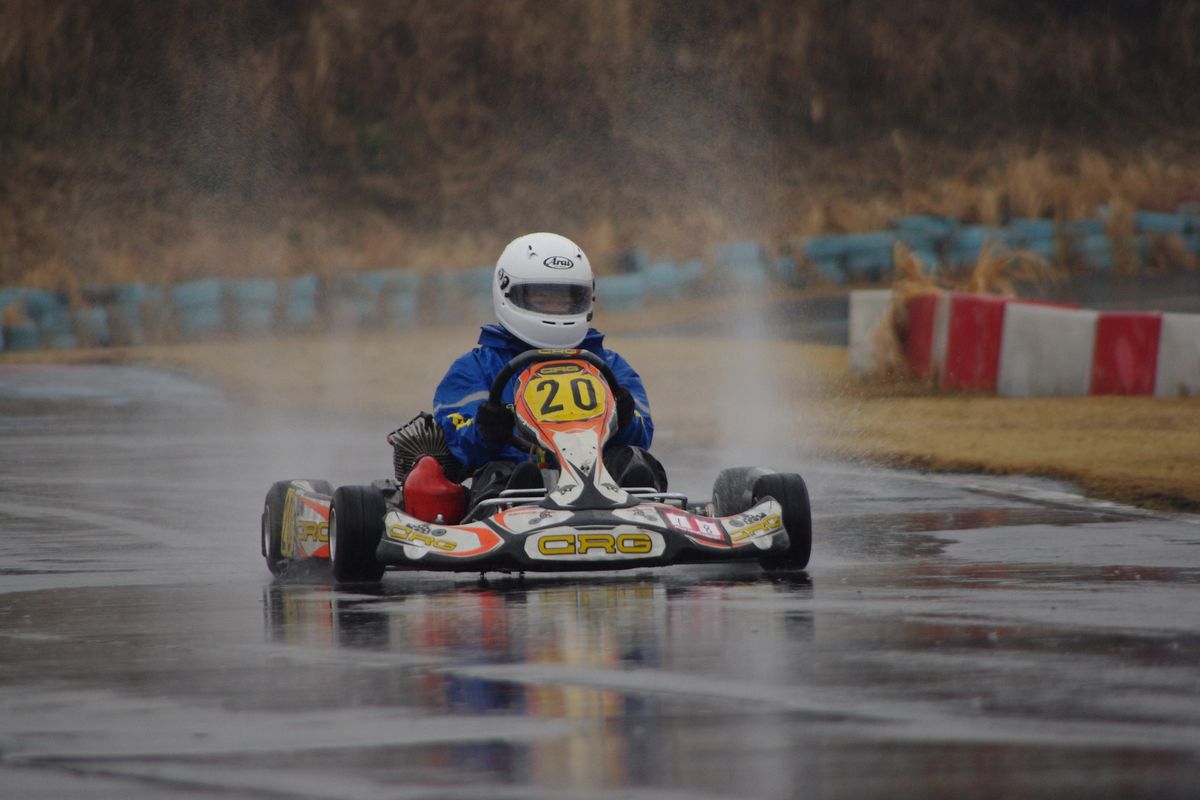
x,y
580,519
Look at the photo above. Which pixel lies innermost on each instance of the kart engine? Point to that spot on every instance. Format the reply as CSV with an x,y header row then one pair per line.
x,y
421,436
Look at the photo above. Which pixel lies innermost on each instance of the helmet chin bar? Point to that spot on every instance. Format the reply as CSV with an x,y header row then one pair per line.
x,y
537,330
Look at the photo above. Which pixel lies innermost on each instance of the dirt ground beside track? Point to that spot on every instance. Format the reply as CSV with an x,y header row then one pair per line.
x,y
744,394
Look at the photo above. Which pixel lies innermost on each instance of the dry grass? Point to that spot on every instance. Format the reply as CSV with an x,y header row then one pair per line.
x,y
1139,450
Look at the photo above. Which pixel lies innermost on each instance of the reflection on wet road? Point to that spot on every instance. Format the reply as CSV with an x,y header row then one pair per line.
x,y
952,637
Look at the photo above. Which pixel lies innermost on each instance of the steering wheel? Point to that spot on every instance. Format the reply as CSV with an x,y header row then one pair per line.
x,y
520,362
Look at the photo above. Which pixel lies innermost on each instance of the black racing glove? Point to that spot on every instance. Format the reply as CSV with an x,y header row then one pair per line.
x,y
495,421
625,407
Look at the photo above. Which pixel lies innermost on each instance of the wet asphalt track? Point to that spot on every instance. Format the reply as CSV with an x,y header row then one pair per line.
x,y
953,637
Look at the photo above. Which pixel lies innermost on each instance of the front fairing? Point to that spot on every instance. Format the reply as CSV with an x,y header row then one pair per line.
x,y
567,408
535,538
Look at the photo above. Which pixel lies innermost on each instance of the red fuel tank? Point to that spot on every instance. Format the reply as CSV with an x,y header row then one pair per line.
x,y
428,493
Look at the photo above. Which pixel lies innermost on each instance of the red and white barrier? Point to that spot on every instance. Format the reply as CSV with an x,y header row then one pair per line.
x,y
1027,348
1126,353
1178,370
973,342
928,321
867,307
1045,351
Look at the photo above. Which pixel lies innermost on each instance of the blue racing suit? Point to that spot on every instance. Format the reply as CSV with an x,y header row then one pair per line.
x,y
470,377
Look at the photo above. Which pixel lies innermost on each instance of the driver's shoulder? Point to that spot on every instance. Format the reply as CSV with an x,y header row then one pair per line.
x,y
488,359
612,357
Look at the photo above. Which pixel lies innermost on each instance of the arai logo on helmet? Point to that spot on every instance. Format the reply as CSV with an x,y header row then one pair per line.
x,y
559,262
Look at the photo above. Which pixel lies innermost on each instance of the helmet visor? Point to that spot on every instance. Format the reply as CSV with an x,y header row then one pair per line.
x,y
563,299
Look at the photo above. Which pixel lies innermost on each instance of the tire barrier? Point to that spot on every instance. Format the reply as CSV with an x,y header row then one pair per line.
x,y
136,312
35,318
353,303
396,293
198,308
252,304
129,312
967,243
1160,223
743,263
1087,241
936,241
457,294
663,280
690,274
92,324
1036,235
851,257
301,302
621,292
478,283
51,315
20,337
1017,347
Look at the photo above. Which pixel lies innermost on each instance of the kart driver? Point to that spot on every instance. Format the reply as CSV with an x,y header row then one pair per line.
x,y
542,292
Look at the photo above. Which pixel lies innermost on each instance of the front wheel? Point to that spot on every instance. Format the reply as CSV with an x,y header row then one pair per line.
x,y
789,491
355,528
734,487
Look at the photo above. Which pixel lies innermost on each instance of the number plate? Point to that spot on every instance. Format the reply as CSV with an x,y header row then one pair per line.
x,y
565,393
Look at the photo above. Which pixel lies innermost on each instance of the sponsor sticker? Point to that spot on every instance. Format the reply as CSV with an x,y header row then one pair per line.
x,y
521,520
560,369
558,262
765,525
569,545
420,539
305,526
692,526
310,531
421,536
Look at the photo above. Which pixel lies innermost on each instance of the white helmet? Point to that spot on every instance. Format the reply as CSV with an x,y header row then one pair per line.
x,y
543,290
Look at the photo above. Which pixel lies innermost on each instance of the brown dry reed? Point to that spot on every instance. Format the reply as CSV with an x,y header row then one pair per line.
x,y
997,270
193,137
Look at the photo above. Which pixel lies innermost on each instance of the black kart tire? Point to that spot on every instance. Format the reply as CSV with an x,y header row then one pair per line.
x,y
733,490
789,490
355,528
271,527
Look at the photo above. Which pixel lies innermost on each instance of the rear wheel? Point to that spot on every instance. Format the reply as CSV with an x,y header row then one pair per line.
x,y
733,490
271,527
789,490
355,528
